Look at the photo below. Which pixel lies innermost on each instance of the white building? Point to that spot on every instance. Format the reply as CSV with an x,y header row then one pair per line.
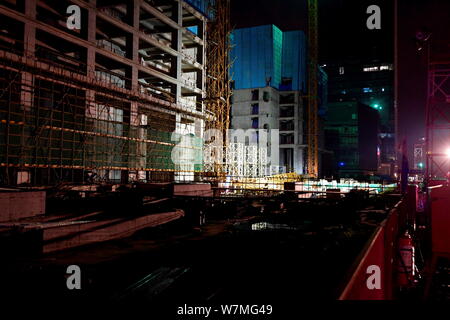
x,y
267,109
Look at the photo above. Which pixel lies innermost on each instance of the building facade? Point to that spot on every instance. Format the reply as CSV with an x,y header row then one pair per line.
x,y
352,133
259,111
96,89
369,83
269,76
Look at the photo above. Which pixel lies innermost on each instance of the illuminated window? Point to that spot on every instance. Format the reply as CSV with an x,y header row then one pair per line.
x,y
367,90
341,70
386,67
382,67
370,69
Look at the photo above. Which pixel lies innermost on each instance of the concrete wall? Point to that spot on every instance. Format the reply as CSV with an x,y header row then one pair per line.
x,y
241,111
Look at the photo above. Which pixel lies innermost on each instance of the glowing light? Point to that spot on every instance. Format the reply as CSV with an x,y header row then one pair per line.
x,y
447,152
341,164
377,106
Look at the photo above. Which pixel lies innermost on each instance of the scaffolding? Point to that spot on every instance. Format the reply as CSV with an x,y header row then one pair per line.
x,y
241,161
64,127
126,101
312,124
117,101
218,93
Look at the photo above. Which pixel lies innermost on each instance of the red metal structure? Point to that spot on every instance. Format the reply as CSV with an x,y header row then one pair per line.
x,y
382,251
438,121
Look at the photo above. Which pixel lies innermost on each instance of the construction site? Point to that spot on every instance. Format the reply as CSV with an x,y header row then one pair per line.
x,y
116,156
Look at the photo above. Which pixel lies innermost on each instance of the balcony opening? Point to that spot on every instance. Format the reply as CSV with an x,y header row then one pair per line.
x,y
255,95
287,98
112,72
153,27
287,138
57,51
255,123
11,35
118,11
286,111
156,58
154,86
113,39
287,125
255,108
54,13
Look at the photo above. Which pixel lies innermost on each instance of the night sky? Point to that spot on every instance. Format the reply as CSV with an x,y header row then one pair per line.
x,y
414,15
342,35
342,24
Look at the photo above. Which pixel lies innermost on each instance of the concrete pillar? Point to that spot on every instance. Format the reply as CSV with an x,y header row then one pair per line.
x,y
134,115
202,58
90,62
30,30
177,44
134,46
26,92
92,27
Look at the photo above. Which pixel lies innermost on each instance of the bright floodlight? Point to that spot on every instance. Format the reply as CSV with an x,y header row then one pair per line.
x,y
447,152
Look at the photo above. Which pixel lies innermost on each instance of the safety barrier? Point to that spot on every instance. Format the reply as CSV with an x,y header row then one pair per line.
x,y
379,256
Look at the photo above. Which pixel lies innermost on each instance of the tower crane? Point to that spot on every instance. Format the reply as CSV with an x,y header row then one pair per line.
x,y
312,124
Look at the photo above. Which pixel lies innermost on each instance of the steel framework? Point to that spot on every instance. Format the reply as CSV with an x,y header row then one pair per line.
x,y
313,130
438,121
54,127
218,90
113,102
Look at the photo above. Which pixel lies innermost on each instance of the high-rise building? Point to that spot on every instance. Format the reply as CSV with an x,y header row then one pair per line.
x,y
369,83
269,76
351,131
94,90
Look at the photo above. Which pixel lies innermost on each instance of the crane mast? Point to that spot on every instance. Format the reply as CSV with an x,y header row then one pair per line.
x,y
312,124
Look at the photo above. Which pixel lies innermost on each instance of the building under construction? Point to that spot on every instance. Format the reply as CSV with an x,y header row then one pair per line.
x,y
103,90
106,148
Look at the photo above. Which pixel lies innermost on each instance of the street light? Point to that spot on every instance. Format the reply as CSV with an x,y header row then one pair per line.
x,y
447,153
